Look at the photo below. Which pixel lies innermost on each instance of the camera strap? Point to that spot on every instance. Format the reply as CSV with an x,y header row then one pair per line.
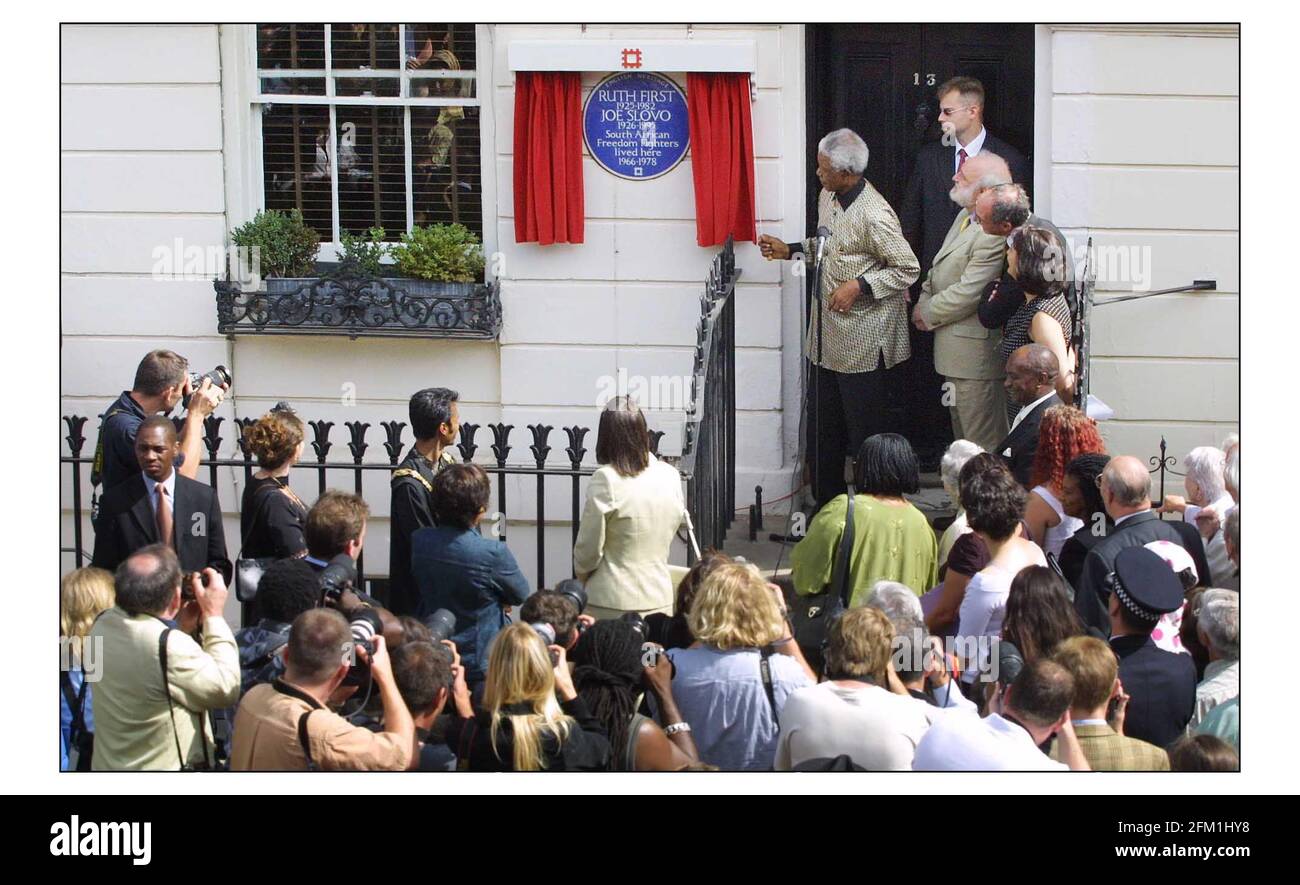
x,y
304,737
765,671
171,709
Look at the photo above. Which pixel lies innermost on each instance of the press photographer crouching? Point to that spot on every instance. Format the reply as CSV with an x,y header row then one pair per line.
x,y
557,614
287,725
158,683
288,588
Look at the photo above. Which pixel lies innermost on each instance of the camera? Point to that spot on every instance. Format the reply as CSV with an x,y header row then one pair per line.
x,y
547,632
364,625
338,576
442,625
187,584
218,376
573,589
638,624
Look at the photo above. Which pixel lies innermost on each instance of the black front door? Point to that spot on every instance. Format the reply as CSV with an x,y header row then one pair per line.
x,y
879,81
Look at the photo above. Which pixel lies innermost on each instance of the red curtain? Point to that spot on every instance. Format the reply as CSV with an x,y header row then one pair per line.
x,y
548,157
722,157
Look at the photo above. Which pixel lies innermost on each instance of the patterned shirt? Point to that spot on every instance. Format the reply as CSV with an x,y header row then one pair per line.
x,y
867,244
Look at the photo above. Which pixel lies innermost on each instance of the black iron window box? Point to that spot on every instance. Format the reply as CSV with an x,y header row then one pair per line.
x,y
342,302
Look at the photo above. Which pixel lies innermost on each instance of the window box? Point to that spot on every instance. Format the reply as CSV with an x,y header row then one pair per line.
x,y
339,302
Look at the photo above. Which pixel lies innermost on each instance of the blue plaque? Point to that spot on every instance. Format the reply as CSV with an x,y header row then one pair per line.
x,y
635,125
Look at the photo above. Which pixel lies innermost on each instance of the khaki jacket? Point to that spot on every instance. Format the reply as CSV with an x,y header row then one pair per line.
x,y
133,725
950,296
624,538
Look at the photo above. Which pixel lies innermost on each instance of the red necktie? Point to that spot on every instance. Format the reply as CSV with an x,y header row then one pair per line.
x,y
961,159
164,515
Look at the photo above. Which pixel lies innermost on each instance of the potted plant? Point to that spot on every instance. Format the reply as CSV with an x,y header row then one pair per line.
x,y
440,259
286,248
364,254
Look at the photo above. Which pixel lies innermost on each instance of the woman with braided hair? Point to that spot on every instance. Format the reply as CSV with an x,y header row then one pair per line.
x,y
612,667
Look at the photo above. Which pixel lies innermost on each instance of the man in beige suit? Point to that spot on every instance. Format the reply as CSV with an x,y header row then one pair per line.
x,y
965,352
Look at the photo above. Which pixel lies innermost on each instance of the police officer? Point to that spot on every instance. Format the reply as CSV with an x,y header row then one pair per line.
x,y
1161,684
435,420
161,382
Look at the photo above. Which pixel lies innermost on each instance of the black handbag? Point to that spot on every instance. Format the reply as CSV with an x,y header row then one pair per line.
x,y
248,572
812,615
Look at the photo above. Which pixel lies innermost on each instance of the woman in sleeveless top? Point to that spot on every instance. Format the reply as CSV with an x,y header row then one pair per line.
x,y
611,668
1064,434
1035,259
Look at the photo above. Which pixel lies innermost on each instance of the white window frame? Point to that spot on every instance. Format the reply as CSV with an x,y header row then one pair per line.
x,y
242,119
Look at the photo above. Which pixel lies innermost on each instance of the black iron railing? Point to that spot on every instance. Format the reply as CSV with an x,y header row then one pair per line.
x,y
709,447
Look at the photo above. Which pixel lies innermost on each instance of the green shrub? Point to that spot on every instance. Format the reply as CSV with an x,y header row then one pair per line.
x,y
287,246
447,253
364,252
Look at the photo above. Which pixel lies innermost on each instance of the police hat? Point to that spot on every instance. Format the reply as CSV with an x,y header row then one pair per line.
x,y
1145,585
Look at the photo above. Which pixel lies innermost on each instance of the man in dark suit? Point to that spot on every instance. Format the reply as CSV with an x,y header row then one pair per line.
x,y
1031,382
159,505
927,210
1161,685
1126,493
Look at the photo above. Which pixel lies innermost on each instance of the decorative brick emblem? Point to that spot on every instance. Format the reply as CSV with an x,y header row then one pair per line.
x,y
631,58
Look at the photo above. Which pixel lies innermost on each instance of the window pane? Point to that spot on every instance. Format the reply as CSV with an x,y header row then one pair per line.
x,y
372,176
293,85
355,46
445,157
294,162
291,46
367,86
453,43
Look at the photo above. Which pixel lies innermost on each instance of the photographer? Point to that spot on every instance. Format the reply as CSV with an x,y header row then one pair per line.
x,y
158,683
612,665
335,527
287,589
161,383
423,672
560,611
287,725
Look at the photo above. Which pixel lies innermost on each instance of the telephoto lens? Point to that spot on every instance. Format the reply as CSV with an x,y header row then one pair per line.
x,y
546,631
218,376
336,577
575,590
638,623
364,624
441,624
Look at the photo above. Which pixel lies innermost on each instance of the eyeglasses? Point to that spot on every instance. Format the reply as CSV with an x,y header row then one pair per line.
x,y
948,112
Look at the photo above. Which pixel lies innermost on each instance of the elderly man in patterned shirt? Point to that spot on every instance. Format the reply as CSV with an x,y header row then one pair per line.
x,y
854,384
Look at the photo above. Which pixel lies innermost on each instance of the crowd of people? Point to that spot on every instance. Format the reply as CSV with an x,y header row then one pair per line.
x,y
1063,620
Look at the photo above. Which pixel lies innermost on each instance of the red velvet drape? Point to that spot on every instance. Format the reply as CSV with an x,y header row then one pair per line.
x,y
722,157
548,157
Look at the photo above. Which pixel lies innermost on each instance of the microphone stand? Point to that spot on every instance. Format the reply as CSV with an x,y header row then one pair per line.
x,y
822,234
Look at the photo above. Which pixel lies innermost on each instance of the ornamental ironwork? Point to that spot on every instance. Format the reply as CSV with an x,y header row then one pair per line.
x,y
359,305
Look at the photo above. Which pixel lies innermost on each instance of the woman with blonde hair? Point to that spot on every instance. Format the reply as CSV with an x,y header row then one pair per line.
x,y
271,516
732,683
522,725
83,595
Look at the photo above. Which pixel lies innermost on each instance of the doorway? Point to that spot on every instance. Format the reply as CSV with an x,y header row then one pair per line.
x,y
879,81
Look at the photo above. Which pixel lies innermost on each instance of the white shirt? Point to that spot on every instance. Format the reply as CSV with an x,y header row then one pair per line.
x,y
1065,527
981,613
876,728
968,743
1221,506
169,484
1127,515
975,146
1222,683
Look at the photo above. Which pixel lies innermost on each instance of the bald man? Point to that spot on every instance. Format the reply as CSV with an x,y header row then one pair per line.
x,y
1030,383
1126,493
157,504
966,354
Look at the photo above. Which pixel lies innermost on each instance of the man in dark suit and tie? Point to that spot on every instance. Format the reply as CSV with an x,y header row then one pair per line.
x,y
159,505
1161,685
927,211
1126,493
1031,382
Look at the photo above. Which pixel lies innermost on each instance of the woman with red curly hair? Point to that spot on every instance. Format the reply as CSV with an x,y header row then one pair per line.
x,y
1064,434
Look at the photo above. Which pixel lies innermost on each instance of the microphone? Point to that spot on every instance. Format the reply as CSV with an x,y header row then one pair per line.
x,y
823,234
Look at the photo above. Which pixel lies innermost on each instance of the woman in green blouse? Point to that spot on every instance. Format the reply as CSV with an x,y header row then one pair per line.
x,y
892,540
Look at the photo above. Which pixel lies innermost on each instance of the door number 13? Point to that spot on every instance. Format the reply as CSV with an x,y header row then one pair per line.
x,y
929,79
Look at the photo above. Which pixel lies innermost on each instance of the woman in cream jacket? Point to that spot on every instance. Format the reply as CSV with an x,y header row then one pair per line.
x,y
634,507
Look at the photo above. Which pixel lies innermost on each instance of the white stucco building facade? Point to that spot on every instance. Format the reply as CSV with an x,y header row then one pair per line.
x,y
1136,145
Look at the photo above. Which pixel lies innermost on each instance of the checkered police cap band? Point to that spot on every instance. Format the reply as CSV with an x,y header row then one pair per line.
x,y
1126,600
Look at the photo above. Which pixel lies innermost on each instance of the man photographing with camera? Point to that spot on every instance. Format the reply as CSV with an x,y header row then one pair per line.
x,y
158,684
162,382
287,725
